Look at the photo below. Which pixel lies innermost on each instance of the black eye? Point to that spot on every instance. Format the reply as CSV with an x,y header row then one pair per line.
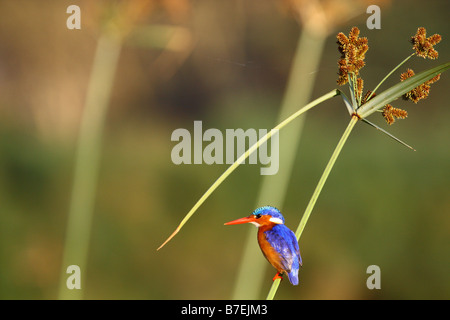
x,y
258,216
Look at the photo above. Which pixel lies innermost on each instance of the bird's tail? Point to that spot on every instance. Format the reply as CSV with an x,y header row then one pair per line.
x,y
293,276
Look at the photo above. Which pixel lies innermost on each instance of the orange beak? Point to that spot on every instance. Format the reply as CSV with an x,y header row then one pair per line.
x,y
241,221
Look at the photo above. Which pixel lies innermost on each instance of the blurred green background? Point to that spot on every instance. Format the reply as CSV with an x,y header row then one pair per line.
x,y
227,64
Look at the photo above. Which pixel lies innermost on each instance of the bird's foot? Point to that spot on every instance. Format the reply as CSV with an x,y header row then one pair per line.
x,y
278,276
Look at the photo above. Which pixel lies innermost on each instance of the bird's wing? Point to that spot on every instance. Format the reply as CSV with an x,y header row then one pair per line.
x,y
283,240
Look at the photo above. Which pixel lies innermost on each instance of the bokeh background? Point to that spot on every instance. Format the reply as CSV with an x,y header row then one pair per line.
x,y
226,63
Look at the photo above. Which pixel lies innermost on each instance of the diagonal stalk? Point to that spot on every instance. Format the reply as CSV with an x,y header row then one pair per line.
x,y
388,134
317,191
324,177
245,155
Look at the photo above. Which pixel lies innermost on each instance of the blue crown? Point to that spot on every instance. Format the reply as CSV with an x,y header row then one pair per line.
x,y
268,210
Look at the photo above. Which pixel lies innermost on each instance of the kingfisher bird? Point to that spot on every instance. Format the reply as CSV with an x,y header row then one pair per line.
x,y
277,242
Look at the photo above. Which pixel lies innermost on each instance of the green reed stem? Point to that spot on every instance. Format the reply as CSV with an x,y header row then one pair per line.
x,y
324,177
87,160
316,193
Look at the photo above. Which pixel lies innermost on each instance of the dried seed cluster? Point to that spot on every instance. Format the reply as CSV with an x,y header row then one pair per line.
x,y
423,45
353,50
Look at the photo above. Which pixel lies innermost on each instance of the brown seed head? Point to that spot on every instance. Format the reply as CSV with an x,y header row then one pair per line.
x,y
423,45
353,50
390,113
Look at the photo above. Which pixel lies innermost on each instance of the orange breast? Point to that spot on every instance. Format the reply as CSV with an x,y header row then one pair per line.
x,y
269,252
